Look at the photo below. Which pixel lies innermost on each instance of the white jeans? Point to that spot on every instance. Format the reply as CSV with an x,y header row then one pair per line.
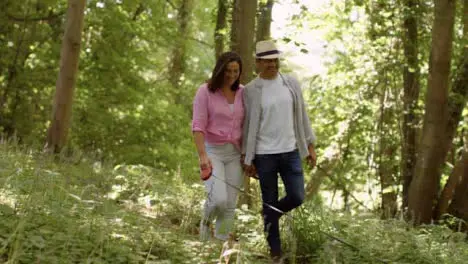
x,y
221,197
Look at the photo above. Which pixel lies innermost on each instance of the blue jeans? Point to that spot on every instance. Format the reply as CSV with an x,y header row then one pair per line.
x,y
289,167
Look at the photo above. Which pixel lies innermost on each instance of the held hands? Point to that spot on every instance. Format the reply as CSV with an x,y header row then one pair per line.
x,y
249,170
312,158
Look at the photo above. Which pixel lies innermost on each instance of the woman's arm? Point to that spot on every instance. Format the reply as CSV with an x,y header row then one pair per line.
x,y
199,123
199,139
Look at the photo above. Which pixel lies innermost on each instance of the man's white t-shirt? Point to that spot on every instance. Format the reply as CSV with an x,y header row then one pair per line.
x,y
276,133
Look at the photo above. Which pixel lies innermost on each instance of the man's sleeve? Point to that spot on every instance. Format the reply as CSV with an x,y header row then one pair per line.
x,y
245,128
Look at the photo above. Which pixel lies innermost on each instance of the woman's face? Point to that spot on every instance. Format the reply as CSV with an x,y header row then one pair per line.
x,y
231,74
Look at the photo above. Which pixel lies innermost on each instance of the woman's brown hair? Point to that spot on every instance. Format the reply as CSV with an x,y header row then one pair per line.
x,y
217,77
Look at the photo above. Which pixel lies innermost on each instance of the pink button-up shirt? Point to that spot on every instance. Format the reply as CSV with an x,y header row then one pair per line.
x,y
213,117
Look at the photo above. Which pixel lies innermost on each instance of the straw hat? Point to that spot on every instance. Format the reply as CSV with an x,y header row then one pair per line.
x,y
266,49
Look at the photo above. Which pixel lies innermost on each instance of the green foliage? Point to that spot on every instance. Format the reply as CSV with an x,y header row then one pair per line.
x,y
62,213
393,241
356,107
28,66
123,109
303,231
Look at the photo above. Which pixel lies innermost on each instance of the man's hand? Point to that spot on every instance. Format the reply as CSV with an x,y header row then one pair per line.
x,y
312,158
249,170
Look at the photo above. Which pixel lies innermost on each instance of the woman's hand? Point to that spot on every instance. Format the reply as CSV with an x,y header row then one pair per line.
x,y
205,167
205,162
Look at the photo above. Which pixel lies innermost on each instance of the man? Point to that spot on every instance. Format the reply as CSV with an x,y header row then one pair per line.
x,y
276,137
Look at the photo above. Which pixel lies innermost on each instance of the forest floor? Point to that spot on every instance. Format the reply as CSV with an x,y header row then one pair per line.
x,y
80,211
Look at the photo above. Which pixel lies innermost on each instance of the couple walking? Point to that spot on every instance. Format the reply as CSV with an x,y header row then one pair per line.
x,y
265,126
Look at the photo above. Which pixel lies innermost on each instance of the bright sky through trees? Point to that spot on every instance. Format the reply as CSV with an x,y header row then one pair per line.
x,y
306,64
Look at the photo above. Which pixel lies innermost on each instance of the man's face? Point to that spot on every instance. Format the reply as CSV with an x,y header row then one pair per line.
x,y
268,68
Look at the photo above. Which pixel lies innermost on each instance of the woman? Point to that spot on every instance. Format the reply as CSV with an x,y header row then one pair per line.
x,y
218,113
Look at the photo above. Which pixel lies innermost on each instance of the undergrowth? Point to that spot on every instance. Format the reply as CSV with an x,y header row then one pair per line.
x,y
61,212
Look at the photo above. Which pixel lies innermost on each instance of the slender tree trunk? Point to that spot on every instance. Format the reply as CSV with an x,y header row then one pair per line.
x,y
386,160
69,58
219,34
346,204
179,53
459,205
411,79
236,25
242,42
453,183
424,186
264,20
385,150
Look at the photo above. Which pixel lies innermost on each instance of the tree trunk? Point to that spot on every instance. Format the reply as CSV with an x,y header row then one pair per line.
x,y
243,34
457,102
242,42
424,186
69,58
220,28
236,28
459,93
411,79
178,65
264,20
459,205
453,183
386,160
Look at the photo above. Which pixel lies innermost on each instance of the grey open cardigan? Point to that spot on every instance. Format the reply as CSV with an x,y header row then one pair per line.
x,y
252,104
